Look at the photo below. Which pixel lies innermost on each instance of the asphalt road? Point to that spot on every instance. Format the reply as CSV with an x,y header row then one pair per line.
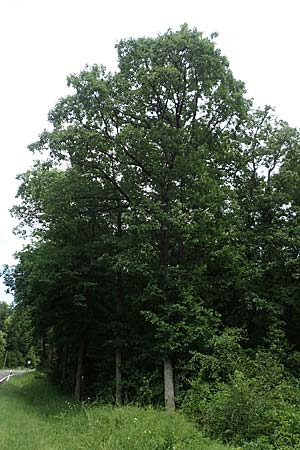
x,y
5,373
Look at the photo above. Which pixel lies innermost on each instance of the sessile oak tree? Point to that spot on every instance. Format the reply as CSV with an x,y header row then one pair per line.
x,y
156,136
157,170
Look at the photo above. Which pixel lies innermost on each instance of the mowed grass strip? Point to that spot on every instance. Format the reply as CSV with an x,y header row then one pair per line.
x,y
34,416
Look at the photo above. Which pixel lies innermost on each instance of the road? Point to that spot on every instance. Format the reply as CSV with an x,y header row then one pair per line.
x,y
5,373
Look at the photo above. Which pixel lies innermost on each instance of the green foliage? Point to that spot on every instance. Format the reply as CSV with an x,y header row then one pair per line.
x,y
164,226
21,340
17,340
2,348
257,406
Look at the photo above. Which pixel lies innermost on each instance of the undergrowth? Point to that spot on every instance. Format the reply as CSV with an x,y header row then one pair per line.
x,y
35,416
246,400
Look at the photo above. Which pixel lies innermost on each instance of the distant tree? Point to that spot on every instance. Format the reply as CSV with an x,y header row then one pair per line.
x,y
2,348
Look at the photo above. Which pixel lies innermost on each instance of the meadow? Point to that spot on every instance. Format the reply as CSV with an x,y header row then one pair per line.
x,y
36,416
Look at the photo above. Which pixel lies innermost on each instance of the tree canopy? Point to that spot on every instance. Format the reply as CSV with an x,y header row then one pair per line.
x,y
164,213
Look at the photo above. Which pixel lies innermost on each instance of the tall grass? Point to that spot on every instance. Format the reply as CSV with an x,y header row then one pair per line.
x,y
34,416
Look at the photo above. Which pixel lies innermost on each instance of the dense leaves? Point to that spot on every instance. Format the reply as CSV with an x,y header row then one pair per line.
x,y
165,210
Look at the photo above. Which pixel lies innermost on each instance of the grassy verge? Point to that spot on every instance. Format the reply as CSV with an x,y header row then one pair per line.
x,y
33,416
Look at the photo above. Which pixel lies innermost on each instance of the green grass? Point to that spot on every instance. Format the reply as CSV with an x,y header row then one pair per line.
x,y
34,416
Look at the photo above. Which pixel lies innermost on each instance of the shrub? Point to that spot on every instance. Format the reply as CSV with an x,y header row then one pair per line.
x,y
236,411
256,405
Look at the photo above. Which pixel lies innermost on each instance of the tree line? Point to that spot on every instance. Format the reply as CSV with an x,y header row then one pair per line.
x,y
18,344
163,213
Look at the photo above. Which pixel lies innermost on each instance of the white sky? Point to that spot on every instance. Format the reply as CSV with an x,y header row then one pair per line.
x,y
42,41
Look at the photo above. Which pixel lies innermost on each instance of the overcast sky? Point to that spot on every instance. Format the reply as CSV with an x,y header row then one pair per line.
x,y
42,41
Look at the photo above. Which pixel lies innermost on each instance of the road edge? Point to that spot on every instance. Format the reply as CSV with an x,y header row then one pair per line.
x,y
4,378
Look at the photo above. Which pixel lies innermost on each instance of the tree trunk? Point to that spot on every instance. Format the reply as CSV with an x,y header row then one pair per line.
x,y
79,372
5,358
45,356
52,352
164,262
118,377
63,364
119,310
169,385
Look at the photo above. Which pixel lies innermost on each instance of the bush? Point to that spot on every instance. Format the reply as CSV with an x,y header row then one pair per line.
x,y
236,411
256,405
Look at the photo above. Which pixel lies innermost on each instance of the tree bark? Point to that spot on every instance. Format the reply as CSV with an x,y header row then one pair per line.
x,y
164,262
119,392
45,356
119,310
63,364
169,385
5,358
79,372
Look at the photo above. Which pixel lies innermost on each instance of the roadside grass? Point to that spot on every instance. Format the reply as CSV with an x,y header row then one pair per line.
x,y
35,416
